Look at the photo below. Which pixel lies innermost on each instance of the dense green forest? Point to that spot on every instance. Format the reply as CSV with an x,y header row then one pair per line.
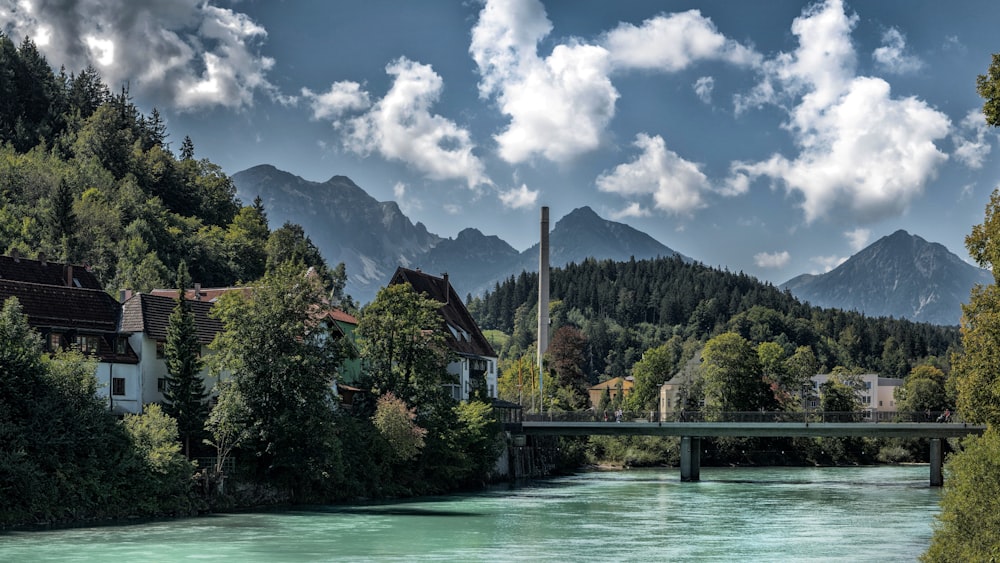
x,y
623,309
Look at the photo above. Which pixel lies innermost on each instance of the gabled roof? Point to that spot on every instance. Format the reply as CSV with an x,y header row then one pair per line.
x,y
150,314
68,310
462,334
626,382
47,273
57,306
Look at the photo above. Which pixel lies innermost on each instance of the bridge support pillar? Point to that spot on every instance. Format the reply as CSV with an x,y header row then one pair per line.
x,y
690,458
937,459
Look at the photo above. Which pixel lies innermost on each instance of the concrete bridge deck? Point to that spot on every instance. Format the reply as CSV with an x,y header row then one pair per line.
x,y
754,429
691,434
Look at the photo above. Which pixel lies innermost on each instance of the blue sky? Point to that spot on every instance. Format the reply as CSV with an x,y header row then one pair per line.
x,y
770,137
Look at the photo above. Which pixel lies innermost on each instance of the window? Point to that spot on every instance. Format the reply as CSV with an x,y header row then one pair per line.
x,y
118,386
88,343
161,384
120,345
55,342
161,350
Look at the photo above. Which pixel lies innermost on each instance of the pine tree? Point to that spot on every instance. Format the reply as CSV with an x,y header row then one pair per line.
x,y
187,148
184,398
62,220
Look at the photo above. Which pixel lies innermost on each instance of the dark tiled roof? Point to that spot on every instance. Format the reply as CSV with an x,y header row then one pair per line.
x,y
71,311
63,307
151,314
461,331
47,273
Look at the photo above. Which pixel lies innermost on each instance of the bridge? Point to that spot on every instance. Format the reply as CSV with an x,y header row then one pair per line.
x,y
757,425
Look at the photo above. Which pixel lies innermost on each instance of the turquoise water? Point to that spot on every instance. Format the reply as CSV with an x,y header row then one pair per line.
x,y
739,514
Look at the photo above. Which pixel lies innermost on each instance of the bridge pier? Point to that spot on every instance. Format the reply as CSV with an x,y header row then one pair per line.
x,y
937,459
690,458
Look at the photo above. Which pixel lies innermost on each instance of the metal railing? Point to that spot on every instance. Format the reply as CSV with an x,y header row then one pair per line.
x,y
810,416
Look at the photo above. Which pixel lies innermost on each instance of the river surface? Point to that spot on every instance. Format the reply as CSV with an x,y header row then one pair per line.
x,y
739,514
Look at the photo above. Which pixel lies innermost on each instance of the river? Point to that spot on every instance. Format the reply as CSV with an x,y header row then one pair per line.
x,y
732,514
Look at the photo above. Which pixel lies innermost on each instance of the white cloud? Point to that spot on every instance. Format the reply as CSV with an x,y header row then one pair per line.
x,y
858,238
675,184
519,198
772,259
827,263
401,127
971,146
859,149
703,88
560,105
185,53
342,97
407,204
631,210
892,57
673,42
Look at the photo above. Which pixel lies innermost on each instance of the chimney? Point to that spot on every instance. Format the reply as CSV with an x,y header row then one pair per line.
x,y
197,291
15,254
68,268
543,292
447,288
41,258
124,295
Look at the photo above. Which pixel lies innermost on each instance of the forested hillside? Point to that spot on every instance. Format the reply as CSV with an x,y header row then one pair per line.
x,y
86,178
623,309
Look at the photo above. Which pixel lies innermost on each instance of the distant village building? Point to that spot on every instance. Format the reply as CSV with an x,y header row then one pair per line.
x,y
614,387
877,394
476,367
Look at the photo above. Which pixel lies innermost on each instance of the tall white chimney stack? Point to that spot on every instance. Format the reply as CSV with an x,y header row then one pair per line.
x,y
543,292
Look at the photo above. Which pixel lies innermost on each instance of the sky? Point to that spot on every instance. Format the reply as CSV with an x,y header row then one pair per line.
x,y
770,137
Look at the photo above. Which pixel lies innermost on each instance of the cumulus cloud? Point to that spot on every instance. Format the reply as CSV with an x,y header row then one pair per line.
x,y
519,198
703,88
971,146
860,149
559,106
184,53
401,127
858,238
827,263
676,185
672,42
892,56
772,259
631,210
344,96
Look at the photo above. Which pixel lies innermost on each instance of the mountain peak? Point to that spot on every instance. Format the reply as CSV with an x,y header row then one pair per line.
x,y
900,275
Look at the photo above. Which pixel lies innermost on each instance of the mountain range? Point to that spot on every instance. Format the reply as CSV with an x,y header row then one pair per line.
x,y
372,238
900,275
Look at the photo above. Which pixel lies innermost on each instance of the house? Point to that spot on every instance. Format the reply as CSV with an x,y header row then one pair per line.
x,y
876,394
476,367
148,318
613,386
145,318
66,305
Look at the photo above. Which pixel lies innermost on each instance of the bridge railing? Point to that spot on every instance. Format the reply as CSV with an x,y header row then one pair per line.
x,y
811,416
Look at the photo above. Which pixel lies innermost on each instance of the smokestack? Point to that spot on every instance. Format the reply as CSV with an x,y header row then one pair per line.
x,y
543,292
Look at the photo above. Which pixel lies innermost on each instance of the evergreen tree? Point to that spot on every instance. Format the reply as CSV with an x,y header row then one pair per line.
x,y
185,395
62,221
187,149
